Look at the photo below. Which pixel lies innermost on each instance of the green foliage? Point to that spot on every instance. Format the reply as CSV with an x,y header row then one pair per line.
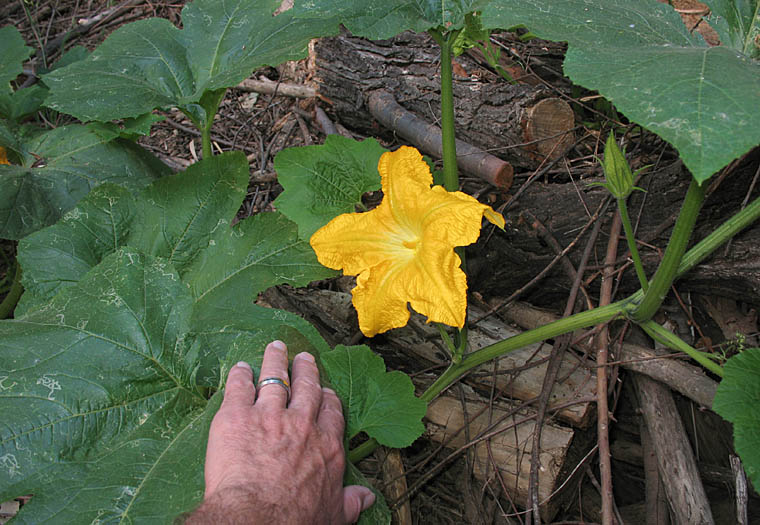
x,y
737,23
102,415
135,304
185,219
378,513
324,181
151,64
737,400
13,52
378,20
60,166
377,402
638,53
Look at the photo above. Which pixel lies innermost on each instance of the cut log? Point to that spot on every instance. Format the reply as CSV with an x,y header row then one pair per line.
x,y
512,121
510,446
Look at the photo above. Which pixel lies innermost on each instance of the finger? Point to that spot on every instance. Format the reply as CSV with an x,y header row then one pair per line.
x,y
239,389
330,419
355,500
307,392
274,364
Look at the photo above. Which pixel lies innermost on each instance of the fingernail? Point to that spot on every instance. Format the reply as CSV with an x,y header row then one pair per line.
x,y
306,356
279,345
367,500
328,390
243,364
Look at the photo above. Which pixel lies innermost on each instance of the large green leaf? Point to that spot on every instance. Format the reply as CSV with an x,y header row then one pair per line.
x,y
637,53
60,167
151,64
378,20
380,403
737,23
13,52
737,400
184,218
324,181
102,418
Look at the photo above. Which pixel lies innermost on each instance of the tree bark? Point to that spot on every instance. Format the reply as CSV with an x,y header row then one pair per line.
x,y
520,123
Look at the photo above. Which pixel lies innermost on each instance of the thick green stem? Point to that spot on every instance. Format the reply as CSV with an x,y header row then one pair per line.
x,y
722,234
450,173
553,329
626,220
658,333
14,294
206,142
668,269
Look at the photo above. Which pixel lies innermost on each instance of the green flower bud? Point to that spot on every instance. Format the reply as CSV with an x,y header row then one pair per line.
x,y
617,172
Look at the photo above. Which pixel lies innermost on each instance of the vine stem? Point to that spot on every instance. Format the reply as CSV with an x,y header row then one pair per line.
x,y
668,338
694,256
625,218
668,270
206,142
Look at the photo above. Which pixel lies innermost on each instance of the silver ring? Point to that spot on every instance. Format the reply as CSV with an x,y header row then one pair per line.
x,y
276,381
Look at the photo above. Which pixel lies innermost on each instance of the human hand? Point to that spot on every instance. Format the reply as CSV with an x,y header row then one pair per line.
x,y
268,461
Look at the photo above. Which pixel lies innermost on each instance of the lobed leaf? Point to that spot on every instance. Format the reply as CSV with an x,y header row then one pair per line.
x,y
13,53
184,218
59,167
736,400
377,402
151,64
322,182
638,54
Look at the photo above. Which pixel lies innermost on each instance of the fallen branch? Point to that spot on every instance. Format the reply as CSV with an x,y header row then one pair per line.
x,y
268,87
427,137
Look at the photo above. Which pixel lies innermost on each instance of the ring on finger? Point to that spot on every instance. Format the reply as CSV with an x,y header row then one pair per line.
x,y
276,381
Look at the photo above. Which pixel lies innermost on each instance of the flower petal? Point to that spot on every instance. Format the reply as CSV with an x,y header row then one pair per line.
x,y
355,242
433,284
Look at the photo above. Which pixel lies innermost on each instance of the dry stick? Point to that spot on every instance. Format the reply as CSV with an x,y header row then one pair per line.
x,y
324,121
427,137
554,245
269,87
552,369
602,343
742,492
600,210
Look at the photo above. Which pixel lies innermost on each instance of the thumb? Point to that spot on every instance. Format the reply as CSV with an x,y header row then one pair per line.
x,y
356,499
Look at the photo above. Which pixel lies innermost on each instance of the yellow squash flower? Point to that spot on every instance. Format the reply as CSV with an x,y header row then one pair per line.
x,y
3,156
403,250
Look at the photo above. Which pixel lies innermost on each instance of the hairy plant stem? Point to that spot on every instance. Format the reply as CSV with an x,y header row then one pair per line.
x,y
694,256
671,340
640,273
207,151
668,270
449,148
14,294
